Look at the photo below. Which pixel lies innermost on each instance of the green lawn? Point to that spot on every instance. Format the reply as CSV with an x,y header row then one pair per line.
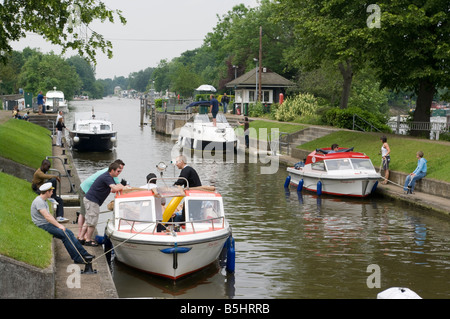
x,y
403,151
256,125
24,142
20,239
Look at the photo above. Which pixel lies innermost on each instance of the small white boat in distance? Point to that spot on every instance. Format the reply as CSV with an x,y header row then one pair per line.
x,y
199,133
343,173
54,101
92,132
145,238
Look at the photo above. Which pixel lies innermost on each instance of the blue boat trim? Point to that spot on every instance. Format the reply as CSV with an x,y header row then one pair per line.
x,y
178,250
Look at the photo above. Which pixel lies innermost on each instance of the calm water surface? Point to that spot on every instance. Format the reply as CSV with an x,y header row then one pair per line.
x,y
287,245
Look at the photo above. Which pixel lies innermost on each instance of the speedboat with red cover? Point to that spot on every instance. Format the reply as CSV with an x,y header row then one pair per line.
x,y
343,173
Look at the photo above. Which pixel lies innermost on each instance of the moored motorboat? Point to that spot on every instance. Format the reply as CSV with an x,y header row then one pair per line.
x,y
199,133
54,101
92,132
144,238
344,173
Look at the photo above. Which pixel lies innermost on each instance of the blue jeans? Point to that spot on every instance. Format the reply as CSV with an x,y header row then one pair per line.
x,y
69,244
412,181
225,104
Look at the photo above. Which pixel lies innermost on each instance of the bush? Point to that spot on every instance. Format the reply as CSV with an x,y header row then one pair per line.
x,y
297,106
343,118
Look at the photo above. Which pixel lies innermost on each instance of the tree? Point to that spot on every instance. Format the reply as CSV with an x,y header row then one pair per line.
x,y
411,50
57,21
42,72
332,30
86,74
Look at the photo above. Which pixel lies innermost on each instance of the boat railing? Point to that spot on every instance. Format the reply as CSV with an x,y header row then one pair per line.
x,y
134,222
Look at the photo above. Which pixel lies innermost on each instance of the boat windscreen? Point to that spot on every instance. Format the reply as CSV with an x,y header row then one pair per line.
x,y
362,163
338,164
141,210
201,209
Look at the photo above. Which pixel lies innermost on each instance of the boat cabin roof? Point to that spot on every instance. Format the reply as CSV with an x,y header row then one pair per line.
x,y
322,154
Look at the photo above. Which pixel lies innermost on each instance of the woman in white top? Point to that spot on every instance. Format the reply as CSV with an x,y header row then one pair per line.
x,y
385,154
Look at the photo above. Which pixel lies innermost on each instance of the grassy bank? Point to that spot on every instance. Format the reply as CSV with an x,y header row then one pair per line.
x,y
20,239
403,151
24,142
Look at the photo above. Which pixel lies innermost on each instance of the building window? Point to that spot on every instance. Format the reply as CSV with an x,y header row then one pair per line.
x,y
251,96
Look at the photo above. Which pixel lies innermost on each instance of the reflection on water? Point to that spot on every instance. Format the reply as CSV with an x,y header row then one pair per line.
x,y
288,245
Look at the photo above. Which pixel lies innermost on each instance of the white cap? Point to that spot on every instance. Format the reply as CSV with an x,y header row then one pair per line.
x,y
45,187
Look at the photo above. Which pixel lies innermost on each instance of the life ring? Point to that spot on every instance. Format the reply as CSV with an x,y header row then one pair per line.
x,y
170,209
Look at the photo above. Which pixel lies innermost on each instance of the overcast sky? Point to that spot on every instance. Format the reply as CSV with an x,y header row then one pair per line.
x,y
182,24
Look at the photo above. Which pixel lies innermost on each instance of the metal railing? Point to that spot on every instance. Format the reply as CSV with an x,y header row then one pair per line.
x,y
72,186
355,124
133,222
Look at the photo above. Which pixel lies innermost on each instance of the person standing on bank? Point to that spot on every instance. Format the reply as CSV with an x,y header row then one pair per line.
x,y
96,195
386,158
187,172
214,108
83,189
225,100
419,173
41,217
40,103
59,131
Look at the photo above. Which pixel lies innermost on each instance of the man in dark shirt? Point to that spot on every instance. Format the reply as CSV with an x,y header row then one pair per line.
x,y
187,172
96,195
214,109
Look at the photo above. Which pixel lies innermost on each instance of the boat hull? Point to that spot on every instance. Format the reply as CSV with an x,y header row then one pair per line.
x,y
86,142
358,185
172,259
206,145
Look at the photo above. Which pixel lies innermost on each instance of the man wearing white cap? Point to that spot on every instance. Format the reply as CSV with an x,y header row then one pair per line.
x,y
41,217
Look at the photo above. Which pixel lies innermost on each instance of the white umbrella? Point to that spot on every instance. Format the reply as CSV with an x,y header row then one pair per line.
x,y
206,87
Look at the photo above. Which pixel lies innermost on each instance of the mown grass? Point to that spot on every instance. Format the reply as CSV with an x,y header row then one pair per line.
x,y
403,151
20,239
256,125
24,142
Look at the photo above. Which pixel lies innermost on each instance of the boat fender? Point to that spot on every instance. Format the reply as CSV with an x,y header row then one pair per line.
x,y
170,209
287,182
300,185
113,140
231,255
374,188
76,139
319,188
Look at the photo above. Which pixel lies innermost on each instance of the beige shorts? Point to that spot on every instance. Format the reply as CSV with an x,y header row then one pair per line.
x,y
92,211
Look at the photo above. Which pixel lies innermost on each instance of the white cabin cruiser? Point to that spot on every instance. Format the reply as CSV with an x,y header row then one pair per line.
x,y
199,133
54,101
92,132
344,173
145,238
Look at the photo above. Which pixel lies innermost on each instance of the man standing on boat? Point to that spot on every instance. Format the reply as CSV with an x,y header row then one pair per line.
x,y
96,195
187,172
214,108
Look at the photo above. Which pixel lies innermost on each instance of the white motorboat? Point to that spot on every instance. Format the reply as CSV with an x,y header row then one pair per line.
x,y
199,133
54,101
144,238
345,173
92,132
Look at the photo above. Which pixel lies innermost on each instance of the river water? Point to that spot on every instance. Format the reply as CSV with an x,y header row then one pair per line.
x,y
287,245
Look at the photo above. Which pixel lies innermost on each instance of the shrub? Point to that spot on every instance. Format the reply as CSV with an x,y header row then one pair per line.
x,y
343,118
297,106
